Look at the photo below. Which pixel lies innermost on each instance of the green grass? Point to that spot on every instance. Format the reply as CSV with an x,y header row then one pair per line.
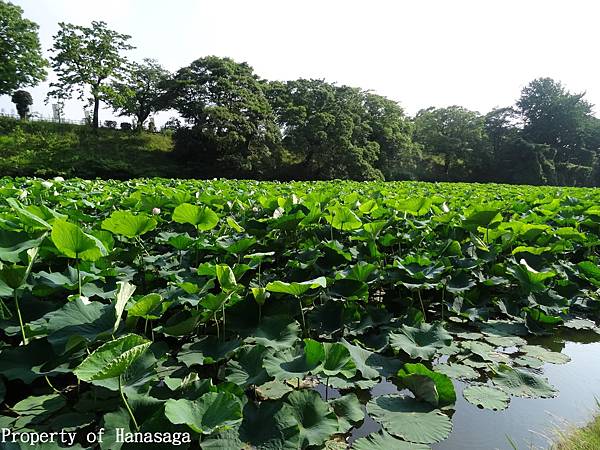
x,y
586,438
49,149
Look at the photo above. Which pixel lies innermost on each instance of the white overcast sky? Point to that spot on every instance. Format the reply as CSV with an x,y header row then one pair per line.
x,y
475,53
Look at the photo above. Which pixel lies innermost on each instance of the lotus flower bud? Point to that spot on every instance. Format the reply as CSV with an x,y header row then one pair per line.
x,y
156,211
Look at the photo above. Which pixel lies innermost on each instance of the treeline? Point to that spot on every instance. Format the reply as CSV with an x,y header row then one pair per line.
x,y
233,123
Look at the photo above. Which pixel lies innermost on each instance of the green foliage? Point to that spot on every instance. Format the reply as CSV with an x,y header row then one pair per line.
x,y
232,124
22,100
177,304
84,59
21,60
142,91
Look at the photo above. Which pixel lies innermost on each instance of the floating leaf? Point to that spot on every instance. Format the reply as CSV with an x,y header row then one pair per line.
x,y
522,383
486,397
422,342
409,419
316,421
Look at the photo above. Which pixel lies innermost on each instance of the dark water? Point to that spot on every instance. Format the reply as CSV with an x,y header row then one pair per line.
x,y
528,423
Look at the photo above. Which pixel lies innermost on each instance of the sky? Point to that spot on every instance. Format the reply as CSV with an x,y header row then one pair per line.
x,y
475,53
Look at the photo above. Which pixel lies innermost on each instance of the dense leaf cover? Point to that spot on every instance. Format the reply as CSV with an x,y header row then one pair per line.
x,y
217,308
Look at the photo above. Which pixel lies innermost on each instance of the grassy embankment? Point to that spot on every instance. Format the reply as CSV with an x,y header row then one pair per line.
x,y
586,438
48,149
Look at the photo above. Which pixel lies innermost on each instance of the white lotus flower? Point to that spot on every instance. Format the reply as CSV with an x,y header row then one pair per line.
x,y
156,211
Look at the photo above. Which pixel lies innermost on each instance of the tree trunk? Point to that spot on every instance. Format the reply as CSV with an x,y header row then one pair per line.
x,y
446,163
96,108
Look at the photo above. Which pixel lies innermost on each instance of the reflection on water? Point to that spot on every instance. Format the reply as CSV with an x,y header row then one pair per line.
x,y
531,423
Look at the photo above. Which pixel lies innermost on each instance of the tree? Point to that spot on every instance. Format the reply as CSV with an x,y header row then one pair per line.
x,y
456,134
230,121
22,100
142,91
554,116
389,127
21,61
85,60
326,129
564,121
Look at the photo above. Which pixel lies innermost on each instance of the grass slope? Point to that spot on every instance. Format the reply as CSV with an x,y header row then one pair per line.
x,y
49,149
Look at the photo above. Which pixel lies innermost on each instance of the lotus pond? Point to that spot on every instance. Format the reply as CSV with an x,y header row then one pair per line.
x,y
321,315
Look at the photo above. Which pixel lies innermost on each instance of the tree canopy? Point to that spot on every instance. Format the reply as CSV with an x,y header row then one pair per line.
x,y
142,91
230,119
85,59
22,100
21,60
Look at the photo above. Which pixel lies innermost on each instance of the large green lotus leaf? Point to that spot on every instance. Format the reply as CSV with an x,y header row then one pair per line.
x,y
13,244
409,419
582,324
269,426
12,276
226,277
484,351
39,405
130,225
24,362
72,242
276,332
112,421
370,364
29,220
385,441
505,341
348,410
504,328
246,368
315,419
530,279
544,355
113,358
141,374
202,217
337,361
457,371
147,307
211,412
228,439
522,383
78,322
207,350
124,292
422,342
296,289
441,393
416,206
344,219
482,217
289,364
486,397
273,390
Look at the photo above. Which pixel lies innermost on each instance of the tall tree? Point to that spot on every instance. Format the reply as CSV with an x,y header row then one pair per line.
x,y
142,91
326,129
22,100
21,61
454,133
85,60
554,116
390,128
230,120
